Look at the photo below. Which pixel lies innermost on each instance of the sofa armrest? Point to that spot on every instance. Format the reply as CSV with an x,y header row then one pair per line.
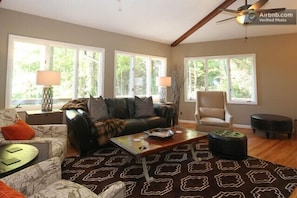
x,y
160,110
81,135
115,190
52,130
165,111
36,177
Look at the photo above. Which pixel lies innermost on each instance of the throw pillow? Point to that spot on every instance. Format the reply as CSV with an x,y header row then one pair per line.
x,y
144,107
117,108
8,192
97,109
18,131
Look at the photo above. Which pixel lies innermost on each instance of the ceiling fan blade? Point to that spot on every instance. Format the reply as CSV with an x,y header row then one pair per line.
x,y
273,10
227,19
258,4
231,11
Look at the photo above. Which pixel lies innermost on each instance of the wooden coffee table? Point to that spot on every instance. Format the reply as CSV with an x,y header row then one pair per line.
x,y
140,145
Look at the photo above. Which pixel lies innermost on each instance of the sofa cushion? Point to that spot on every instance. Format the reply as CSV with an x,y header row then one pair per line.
x,y
131,107
117,108
97,109
18,131
8,192
155,122
212,112
144,107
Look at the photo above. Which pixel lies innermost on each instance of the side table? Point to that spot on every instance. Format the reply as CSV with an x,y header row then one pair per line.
x,y
44,117
14,157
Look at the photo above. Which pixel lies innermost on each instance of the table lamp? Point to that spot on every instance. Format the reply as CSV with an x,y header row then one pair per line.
x,y
163,82
47,78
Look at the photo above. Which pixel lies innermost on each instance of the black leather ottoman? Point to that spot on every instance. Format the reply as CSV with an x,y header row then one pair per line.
x,y
227,144
270,123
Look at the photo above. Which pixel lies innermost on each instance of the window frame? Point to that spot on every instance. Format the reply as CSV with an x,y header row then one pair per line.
x,y
50,43
254,98
163,72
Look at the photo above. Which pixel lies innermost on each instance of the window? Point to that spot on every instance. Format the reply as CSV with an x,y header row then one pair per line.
x,y
136,74
81,69
234,74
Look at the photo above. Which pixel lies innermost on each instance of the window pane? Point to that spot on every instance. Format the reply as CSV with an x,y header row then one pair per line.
x,y
140,76
137,74
156,71
88,70
195,77
122,75
80,70
62,60
233,74
27,59
241,78
217,75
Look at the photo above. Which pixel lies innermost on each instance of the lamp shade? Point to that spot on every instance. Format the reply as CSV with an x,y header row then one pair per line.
x,y
164,81
48,78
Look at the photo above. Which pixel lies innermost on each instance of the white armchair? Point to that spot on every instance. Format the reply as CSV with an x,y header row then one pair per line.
x,y
44,180
55,134
211,111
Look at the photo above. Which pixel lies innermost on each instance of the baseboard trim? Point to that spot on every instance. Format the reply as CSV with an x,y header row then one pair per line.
x,y
242,126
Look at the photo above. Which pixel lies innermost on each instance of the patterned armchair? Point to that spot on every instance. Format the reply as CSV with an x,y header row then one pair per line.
x,y
55,134
44,180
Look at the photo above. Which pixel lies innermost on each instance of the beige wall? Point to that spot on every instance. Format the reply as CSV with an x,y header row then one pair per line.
x,y
276,62
27,25
275,55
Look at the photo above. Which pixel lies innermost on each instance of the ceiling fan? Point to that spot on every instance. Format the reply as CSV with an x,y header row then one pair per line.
x,y
247,13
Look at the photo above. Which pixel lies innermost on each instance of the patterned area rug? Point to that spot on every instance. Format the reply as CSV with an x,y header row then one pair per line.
x,y
178,175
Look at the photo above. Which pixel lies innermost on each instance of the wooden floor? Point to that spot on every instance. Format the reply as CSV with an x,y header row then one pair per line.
x,y
278,149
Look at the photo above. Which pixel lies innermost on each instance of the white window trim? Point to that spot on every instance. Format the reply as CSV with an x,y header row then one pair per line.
x,y
15,38
228,57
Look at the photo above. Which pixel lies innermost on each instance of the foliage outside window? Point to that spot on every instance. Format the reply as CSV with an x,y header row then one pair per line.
x,y
81,69
236,75
135,74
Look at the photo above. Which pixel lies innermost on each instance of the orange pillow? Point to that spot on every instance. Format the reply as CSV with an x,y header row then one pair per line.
x,y
8,192
18,131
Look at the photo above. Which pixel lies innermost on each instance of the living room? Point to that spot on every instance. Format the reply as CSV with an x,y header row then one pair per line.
x,y
275,60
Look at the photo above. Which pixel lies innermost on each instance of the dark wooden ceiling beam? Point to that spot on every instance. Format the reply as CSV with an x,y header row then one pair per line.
x,y
211,15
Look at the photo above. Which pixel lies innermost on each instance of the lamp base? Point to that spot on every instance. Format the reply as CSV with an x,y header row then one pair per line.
x,y
47,99
163,95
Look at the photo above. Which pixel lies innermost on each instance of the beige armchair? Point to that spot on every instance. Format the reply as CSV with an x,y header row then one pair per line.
x,y
211,111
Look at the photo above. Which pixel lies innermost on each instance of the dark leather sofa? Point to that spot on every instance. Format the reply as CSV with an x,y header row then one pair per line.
x,y
83,134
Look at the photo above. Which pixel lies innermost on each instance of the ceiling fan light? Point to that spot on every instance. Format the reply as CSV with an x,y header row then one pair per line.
x,y
241,19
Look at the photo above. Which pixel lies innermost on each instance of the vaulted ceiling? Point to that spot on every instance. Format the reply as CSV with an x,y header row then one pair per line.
x,y
163,21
